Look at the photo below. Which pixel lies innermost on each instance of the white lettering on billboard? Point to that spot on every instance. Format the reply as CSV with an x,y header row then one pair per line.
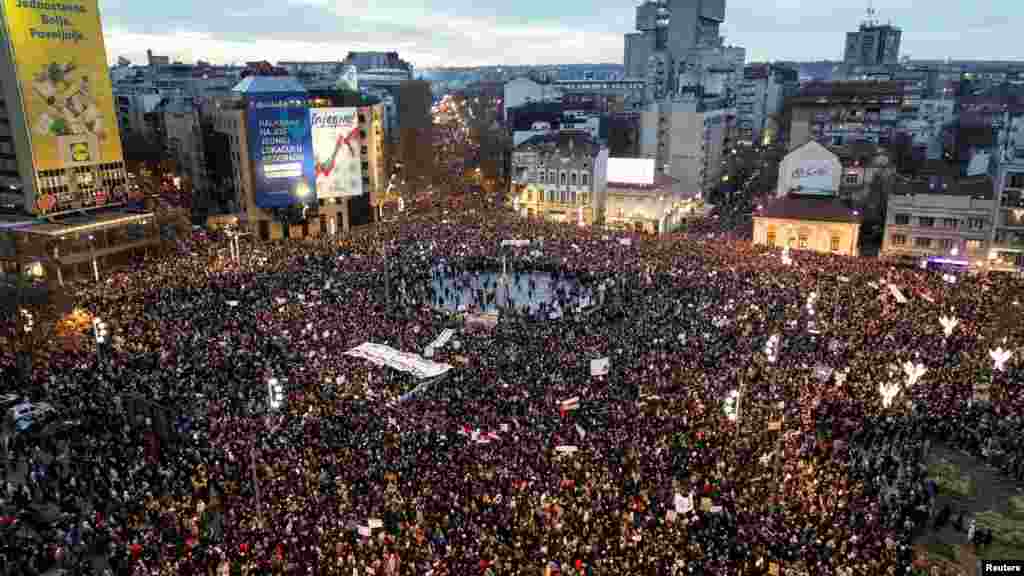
x,y
336,145
813,177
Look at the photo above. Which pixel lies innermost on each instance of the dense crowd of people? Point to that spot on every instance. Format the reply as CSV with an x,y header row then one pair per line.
x,y
173,461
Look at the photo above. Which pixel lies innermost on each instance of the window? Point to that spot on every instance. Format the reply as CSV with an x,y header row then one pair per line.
x,y
583,178
1015,180
562,178
975,223
803,242
926,221
974,245
922,242
947,244
851,180
950,223
899,240
770,241
572,179
835,243
902,219
551,176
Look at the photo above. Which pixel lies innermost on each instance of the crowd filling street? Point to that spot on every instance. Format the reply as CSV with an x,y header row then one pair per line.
x,y
749,411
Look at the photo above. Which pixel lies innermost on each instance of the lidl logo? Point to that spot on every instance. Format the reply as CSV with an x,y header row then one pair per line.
x,y
80,152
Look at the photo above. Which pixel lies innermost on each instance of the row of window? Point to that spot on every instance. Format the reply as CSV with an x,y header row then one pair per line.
x,y
562,178
944,244
561,196
801,241
948,223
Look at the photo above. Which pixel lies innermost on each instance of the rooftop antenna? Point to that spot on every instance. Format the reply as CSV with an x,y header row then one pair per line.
x,y
870,14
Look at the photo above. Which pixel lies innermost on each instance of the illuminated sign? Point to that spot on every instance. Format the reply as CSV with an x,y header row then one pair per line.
x,y
813,177
631,171
61,66
280,151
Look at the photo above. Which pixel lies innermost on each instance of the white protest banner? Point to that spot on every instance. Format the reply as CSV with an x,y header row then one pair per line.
x,y
897,294
414,364
600,366
569,404
626,241
364,531
375,523
567,449
515,243
683,504
715,510
484,320
232,303
442,339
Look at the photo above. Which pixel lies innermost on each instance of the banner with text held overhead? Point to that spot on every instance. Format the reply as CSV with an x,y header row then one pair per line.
x,y
61,65
280,150
414,364
336,145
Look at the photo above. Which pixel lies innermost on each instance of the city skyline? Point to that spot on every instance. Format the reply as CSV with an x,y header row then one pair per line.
x,y
528,32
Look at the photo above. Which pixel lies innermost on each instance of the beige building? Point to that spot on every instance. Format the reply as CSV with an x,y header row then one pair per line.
x,y
228,117
687,139
940,219
561,177
820,224
643,200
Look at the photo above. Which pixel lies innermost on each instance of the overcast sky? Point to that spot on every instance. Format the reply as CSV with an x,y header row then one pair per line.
x,y
474,32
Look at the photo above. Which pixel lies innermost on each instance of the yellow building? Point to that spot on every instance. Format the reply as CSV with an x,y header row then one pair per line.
x,y
821,224
64,127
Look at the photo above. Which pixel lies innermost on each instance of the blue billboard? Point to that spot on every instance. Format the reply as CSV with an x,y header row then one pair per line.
x,y
280,150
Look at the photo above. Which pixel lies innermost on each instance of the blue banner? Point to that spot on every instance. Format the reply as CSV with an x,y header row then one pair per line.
x,y
281,150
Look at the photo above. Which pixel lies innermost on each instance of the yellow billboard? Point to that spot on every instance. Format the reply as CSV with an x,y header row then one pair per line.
x,y
61,65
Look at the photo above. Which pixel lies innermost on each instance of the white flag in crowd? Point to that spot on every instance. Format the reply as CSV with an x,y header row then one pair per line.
x,y
600,366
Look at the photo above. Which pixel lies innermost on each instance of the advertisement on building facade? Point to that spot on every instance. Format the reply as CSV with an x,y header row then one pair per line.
x,y
336,145
280,151
813,177
61,66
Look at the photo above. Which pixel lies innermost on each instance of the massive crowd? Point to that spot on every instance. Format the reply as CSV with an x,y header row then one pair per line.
x,y
171,461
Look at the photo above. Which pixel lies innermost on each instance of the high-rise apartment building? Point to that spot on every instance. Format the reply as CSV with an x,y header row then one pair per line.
x,y
64,130
674,38
415,122
759,101
873,44
687,140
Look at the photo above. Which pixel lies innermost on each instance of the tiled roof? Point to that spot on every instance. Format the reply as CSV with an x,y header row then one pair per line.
x,y
826,209
269,85
560,140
